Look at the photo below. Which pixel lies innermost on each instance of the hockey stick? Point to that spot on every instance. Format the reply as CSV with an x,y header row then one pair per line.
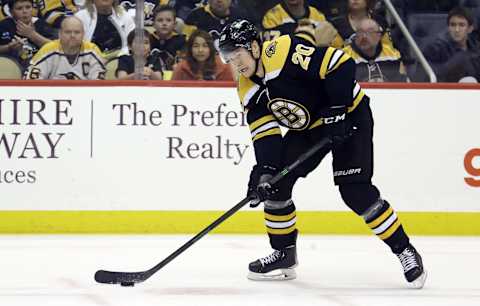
x,y
130,278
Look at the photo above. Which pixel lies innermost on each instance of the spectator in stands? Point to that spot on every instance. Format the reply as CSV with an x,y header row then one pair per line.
x,y
357,10
149,7
69,57
126,63
184,7
107,25
417,6
22,35
254,10
54,11
166,40
330,8
455,54
201,61
211,18
376,61
283,19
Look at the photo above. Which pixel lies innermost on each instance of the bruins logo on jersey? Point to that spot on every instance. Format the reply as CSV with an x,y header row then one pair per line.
x,y
289,113
270,51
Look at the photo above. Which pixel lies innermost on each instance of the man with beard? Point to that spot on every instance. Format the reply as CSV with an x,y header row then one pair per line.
x,y
375,60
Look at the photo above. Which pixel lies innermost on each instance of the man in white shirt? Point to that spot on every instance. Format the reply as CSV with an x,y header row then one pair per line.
x,y
69,57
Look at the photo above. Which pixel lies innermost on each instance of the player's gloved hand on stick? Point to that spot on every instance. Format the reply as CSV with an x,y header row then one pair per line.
x,y
336,125
258,187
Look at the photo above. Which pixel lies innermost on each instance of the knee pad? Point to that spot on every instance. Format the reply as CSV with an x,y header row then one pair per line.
x,y
359,197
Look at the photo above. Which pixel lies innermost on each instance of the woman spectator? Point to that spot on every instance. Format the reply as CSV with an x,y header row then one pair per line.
x,y
107,25
201,61
357,10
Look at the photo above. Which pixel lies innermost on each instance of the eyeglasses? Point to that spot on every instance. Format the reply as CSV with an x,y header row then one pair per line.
x,y
367,33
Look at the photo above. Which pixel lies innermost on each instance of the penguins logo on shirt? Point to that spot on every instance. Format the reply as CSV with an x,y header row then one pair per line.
x,y
289,113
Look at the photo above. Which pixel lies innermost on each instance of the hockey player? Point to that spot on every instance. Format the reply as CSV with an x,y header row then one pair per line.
x,y
312,91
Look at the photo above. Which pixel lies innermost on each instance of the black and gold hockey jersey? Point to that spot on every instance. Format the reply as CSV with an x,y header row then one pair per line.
x,y
300,82
54,11
385,66
279,21
4,12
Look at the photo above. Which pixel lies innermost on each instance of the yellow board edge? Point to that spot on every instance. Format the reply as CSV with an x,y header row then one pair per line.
x,y
243,222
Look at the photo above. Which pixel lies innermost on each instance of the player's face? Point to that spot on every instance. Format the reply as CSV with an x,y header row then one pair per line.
x,y
164,23
71,34
23,11
200,49
241,61
459,28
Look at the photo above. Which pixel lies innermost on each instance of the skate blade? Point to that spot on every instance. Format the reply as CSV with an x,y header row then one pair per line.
x,y
275,275
419,282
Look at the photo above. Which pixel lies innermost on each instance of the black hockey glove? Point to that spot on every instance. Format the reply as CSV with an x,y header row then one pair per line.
x,y
258,187
336,124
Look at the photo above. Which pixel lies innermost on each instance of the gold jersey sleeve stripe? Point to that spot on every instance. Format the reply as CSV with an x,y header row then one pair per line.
x,y
274,131
325,61
342,60
357,101
261,121
381,218
278,218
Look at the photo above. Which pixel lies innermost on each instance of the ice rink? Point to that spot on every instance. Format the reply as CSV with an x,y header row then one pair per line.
x,y
333,271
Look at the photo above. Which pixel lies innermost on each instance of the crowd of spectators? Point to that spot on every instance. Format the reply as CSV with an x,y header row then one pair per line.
x,y
180,37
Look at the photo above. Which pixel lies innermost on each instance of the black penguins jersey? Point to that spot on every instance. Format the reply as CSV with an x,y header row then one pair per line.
x,y
300,82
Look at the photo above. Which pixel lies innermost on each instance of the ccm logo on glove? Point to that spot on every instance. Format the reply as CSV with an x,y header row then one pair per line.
x,y
468,163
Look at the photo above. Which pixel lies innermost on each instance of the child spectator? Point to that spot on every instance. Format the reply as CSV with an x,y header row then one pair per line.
x,y
166,41
201,62
126,63
22,35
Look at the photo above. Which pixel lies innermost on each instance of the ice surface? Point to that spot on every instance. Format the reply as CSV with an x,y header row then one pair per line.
x,y
332,271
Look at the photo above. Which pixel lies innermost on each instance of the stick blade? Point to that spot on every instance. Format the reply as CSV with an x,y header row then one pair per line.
x,y
109,277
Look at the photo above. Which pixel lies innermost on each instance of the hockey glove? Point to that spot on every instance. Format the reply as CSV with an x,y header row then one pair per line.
x,y
336,124
258,187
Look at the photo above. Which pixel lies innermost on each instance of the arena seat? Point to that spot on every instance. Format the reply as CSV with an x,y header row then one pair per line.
x,y
10,69
111,67
425,27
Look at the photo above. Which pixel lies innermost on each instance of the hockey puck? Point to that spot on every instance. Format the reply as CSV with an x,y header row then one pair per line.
x,y
127,284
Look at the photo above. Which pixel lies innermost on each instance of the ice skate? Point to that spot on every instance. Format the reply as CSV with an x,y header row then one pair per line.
x,y
413,267
277,266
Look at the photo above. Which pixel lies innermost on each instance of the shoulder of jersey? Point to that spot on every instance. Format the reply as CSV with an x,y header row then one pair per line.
x,y
275,17
274,55
89,46
47,49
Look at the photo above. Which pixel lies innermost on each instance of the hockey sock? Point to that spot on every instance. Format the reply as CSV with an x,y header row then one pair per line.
x,y
280,221
384,222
